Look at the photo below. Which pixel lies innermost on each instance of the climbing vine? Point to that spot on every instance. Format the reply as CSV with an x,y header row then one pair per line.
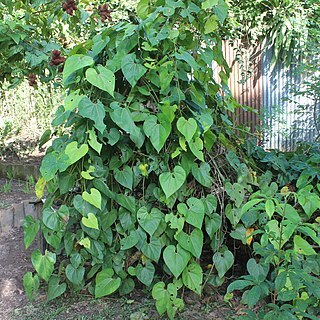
x,y
131,170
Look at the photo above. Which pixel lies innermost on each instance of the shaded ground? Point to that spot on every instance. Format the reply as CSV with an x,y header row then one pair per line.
x,y
14,262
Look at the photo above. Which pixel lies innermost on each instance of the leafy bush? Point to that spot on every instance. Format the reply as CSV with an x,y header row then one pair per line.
x,y
279,212
131,170
136,190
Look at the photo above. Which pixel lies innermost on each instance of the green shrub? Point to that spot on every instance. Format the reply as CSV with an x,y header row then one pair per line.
x,y
132,168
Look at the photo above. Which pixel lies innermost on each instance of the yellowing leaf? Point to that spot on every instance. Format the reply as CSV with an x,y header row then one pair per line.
x,y
143,169
40,186
249,237
85,242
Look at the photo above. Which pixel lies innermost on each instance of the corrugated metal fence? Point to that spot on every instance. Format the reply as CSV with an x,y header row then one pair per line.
x,y
270,91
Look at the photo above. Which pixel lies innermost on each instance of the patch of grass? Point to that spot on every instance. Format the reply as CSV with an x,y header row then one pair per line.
x,y
29,185
6,187
4,204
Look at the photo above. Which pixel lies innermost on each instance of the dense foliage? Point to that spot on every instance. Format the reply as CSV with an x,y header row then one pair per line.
x,y
286,26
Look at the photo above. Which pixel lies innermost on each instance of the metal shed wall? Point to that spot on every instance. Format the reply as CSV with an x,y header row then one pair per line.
x,y
287,124
270,92
246,88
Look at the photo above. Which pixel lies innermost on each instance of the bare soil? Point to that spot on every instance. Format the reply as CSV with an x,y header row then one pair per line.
x,y
14,262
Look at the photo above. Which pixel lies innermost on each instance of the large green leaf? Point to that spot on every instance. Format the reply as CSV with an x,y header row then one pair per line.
x,y
105,283
145,273
143,9
152,248
74,63
30,230
149,221
31,285
172,182
94,197
44,264
53,162
192,277
196,147
223,261
213,224
130,241
132,70
75,275
191,242
94,112
74,153
187,127
50,219
123,118
54,288
176,259
72,100
221,10
103,79
124,176
194,212
211,24
158,132
91,221
188,58
202,174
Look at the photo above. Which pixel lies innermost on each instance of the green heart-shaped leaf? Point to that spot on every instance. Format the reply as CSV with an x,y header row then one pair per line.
x,y
223,261
192,243
123,118
202,174
52,162
30,230
93,141
94,197
132,70
187,127
149,221
94,112
74,153
31,285
104,79
54,288
145,274
124,176
172,182
192,277
44,264
130,241
91,221
157,132
195,214
75,275
196,147
72,100
152,249
105,284
176,259
74,63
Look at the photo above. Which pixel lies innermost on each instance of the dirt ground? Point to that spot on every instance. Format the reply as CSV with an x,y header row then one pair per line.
x,y
14,262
